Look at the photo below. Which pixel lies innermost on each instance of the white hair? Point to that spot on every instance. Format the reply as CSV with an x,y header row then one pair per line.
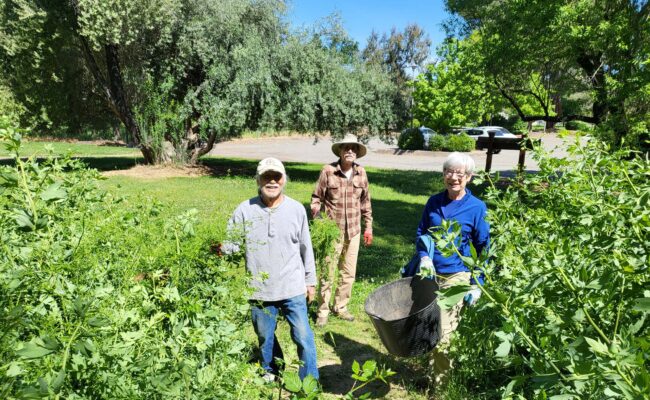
x,y
459,160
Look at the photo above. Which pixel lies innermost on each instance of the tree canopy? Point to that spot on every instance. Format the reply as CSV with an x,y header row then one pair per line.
x,y
180,74
590,56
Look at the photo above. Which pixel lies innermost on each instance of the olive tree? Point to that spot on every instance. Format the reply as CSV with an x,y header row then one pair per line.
x,y
178,75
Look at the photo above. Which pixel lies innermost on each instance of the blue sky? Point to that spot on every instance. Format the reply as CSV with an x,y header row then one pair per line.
x,y
360,17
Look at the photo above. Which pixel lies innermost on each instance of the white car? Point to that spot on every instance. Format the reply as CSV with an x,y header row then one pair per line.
x,y
484,131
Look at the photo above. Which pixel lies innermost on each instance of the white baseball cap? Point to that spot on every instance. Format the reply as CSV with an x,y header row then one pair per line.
x,y
270,164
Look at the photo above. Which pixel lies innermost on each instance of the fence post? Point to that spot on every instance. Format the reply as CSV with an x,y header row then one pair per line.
x,y
488,161
522,152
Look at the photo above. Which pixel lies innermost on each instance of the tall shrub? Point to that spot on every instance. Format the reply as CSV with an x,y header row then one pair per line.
x,y
564,309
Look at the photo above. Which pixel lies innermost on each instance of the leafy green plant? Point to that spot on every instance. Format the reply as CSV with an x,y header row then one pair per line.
x,y
437,142
308,388
460,142
101,298
324,234
366,374
410,139
578,126
566,295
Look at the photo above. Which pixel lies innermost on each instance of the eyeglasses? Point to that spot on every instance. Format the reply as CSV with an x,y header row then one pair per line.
x,y
459,174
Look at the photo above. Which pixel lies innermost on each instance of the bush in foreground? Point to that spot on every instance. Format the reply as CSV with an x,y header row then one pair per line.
x,y
564,309
106,299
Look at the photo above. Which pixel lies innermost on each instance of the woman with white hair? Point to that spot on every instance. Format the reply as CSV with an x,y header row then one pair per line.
x,y
455,203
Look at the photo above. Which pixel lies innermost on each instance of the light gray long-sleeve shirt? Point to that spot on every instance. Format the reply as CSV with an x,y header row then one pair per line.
x,y
279,253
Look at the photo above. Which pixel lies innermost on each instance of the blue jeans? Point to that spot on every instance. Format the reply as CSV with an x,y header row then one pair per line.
x,y
265,315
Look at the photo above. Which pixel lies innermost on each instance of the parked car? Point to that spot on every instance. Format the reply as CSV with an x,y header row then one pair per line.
x,y
484,131
426,135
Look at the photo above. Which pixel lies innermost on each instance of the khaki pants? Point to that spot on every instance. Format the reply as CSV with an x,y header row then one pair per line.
x,y
345,258
449,320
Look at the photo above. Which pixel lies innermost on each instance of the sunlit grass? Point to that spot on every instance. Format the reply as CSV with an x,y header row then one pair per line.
x,y
40,149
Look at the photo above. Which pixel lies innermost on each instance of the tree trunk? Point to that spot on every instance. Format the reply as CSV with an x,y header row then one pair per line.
x,y
203,149
125,114
112,86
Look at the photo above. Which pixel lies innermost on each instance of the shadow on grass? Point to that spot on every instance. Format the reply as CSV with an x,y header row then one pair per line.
x,y
336,378
419,183
394,224
98,163
401,181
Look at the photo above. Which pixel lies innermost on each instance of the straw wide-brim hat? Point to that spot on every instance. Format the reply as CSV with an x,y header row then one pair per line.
x,y
349,138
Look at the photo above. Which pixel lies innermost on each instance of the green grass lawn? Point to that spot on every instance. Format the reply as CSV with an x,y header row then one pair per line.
x,y
39,149
398,198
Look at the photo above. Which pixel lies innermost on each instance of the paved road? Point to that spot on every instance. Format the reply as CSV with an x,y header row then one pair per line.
x,y
380,155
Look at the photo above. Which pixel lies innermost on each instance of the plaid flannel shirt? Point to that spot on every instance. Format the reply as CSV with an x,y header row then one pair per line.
x,y
345,200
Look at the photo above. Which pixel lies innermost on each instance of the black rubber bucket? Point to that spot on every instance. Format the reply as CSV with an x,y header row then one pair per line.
x,y
406,315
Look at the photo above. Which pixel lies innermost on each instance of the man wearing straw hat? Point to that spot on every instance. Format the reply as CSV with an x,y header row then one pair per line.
x,y
342,192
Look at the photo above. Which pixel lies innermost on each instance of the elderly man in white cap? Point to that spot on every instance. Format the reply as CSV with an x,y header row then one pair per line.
x,y
342,192
279,256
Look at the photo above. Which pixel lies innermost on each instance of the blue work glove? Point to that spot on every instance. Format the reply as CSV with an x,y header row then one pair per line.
x,y
472,296
426,268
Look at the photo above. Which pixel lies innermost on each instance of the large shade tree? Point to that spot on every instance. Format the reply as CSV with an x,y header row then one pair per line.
x,y
178,75
598,48
450,93
454,91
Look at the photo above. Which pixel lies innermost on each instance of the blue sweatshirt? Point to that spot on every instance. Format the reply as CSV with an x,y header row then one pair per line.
x,y
469,212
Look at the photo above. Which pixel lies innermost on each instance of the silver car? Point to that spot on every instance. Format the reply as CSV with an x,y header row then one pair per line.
x,y
427,133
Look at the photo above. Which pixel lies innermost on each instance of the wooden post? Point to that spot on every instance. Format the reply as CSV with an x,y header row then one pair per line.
x,y
522,158
488,161
522,152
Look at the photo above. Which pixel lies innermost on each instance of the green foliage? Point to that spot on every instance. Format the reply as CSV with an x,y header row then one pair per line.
x,y
513,123
518,126
107,297
42,66
306,389
578,126
191,72
399,54
161,119
410,139
564,308
589,55
309,388
438,142
452,92
461,142
366,374
9,106
324,234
